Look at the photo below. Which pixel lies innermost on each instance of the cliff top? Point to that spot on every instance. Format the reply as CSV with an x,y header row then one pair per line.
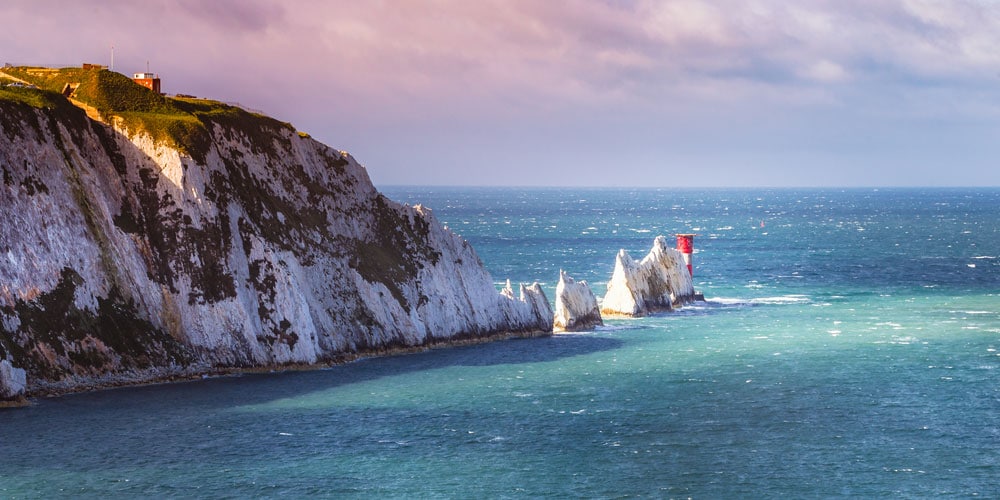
x,y
177,121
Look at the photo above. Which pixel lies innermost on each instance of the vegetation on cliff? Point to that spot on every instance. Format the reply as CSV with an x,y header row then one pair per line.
x,y
32,97
179,122
17,106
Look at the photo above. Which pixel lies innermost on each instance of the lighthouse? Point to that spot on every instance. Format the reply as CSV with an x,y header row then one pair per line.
x,y
685,243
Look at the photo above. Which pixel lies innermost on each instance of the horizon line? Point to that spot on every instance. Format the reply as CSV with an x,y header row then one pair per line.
x,y
592,187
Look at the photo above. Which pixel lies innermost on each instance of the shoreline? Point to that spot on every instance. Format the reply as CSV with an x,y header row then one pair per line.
x,y
195,373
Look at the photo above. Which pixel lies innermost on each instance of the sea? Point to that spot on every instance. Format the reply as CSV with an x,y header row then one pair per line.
x,y
848,346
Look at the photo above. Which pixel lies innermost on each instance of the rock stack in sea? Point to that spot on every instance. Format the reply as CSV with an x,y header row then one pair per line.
x,y
576,306
656,283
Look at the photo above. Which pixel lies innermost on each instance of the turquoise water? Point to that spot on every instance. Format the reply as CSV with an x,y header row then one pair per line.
x,y
849,347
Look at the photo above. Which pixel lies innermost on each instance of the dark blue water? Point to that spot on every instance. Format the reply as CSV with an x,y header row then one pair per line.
x,y
848,348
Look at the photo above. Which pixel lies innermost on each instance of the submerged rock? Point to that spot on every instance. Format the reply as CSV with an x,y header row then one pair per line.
x,y
576,305
656,283
131,255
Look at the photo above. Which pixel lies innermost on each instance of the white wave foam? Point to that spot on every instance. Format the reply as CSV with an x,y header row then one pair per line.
x,y
610,328
895,326
778,300
784,299
727,301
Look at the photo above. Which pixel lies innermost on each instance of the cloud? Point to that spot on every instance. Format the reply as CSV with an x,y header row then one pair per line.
x,y
634,74
236,15
559,51
826,72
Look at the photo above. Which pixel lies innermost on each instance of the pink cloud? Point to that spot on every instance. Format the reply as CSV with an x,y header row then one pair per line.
x,y
346,71
556,51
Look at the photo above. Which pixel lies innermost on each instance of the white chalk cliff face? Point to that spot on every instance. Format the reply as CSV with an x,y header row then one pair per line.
x,y
576,305
123,259
656,283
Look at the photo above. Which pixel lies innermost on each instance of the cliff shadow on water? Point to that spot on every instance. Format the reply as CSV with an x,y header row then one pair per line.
x,y
262,388
190,236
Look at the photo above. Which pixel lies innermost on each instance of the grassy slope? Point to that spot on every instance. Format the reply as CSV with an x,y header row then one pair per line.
x,y
182,123
31,97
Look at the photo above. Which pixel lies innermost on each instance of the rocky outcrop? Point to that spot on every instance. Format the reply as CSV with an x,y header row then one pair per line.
x,y
576,305
126,258
12,382
656,283
529,305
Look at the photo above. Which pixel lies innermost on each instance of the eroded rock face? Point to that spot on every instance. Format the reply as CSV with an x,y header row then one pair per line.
x,y
12,382
656,283
576,305
123,259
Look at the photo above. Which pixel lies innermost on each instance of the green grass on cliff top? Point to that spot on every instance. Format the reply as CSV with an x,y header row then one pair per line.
x,y
182,123
32,97
105,90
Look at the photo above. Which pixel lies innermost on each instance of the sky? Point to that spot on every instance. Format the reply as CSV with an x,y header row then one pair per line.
x,y
670,93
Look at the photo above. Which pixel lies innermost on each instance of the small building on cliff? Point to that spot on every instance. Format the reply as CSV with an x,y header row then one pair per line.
x,y
148,80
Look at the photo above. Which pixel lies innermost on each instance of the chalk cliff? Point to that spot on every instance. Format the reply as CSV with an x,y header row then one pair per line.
x,y
576,305
129,254
656,283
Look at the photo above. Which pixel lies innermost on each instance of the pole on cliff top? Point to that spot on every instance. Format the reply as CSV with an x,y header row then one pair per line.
x,y
685,243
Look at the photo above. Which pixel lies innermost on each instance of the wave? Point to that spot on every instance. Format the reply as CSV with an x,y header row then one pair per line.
x,y
611,328
778,300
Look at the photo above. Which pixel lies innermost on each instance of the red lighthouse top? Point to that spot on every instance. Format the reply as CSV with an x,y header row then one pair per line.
x,y
685,242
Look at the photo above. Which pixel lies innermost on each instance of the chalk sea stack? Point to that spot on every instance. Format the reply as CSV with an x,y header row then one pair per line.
x,y
576,306
655,284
